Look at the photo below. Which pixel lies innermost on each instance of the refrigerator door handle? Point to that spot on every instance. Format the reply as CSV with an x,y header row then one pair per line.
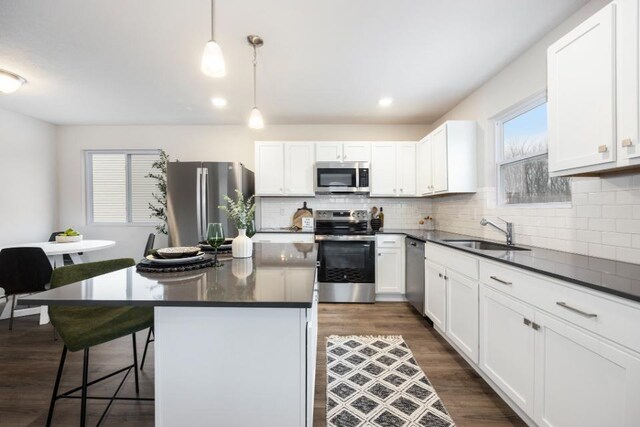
x,y
205,202
199,202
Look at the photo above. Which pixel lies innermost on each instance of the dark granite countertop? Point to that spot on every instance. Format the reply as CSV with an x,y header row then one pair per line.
x,y
278,275
608,276
283,230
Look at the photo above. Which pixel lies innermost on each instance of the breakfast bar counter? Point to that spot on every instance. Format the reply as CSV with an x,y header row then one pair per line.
x,y
234,345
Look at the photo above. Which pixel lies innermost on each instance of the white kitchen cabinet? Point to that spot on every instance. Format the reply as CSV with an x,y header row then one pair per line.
x,y
356,151
269,177
393,169
284,168
582,96
390,274
299,158
581,380
507,346
383,169
447,159
297,237
435,295
628,82
406,169
424,175
462,313
329,152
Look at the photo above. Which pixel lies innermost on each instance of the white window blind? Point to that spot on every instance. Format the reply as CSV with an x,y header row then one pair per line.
x,y
119,190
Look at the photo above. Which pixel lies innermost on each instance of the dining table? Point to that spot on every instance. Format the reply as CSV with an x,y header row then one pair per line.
x,y
56,251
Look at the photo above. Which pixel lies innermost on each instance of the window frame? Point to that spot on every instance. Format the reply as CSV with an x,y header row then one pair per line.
x,y
519,108
88,174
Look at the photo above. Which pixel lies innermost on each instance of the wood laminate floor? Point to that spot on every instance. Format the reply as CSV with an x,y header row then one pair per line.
x,y
29,359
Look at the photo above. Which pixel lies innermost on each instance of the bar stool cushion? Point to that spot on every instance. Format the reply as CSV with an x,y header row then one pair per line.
x,y
83,327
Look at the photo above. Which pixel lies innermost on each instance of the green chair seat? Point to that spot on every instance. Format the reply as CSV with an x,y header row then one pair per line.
x,y
84,327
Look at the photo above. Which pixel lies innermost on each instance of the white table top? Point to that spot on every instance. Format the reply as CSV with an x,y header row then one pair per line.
x,y
54,248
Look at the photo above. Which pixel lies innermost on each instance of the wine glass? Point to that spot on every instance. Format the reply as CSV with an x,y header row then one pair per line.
x,y
215,237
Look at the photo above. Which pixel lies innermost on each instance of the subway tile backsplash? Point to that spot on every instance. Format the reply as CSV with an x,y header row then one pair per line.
x,y
603,219
276,212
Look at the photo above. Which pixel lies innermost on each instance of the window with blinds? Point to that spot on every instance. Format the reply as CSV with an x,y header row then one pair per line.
x,y
118,189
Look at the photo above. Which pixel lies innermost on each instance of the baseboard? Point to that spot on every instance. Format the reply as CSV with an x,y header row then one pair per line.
x,y
391,298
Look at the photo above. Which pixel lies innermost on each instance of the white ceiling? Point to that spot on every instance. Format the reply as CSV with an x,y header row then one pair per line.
x,y
323,62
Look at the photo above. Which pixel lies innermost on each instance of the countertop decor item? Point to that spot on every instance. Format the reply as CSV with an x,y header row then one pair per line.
x,y
376,224
377,380
303,212
178,252
159,207
242,213
68,236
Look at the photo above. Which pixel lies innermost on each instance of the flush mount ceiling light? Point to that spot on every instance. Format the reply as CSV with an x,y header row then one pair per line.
x,y
219,102
10,82
212,59
255,118
385,101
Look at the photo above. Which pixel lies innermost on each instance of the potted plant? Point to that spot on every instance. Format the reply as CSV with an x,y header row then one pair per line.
x,y
241,212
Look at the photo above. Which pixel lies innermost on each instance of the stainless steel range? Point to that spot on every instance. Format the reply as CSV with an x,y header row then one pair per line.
x,y
346,256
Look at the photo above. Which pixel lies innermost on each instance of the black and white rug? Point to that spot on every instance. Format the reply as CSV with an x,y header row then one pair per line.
x,y
375,381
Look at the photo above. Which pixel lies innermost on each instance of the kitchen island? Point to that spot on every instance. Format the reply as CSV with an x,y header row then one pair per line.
x,y
234,345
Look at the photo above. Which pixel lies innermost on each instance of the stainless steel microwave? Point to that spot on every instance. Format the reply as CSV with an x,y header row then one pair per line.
x,y
341,177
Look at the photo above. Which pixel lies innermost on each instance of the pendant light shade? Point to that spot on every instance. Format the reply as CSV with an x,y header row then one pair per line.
x,y
212,63
10,82
213,60
255,119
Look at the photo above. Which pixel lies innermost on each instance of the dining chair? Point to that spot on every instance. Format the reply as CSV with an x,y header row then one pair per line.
x,y
84,327
147,250
23,270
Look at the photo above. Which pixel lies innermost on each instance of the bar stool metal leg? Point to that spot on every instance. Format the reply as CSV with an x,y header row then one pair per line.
x,y
85,375
57,385
146,346
135,362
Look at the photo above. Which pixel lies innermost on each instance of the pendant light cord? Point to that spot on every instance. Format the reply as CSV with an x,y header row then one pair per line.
x,y
213,6
255,62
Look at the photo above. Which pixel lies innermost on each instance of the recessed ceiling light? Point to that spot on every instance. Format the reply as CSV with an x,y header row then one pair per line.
x,y
385,101
219,102
10,82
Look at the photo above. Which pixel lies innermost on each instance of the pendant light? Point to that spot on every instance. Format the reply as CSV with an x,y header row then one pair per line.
x,y
255,118
212,59
10,82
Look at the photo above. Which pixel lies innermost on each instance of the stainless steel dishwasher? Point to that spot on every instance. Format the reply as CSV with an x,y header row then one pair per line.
x,y
415,273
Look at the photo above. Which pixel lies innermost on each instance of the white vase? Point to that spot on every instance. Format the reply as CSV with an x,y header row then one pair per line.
x,y
242,246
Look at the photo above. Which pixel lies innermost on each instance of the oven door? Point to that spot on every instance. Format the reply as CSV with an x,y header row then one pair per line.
x,y
336,178
347,270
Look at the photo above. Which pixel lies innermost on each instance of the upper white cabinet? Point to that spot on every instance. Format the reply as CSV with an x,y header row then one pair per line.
x,y
284,168
593,93
447,159
343,152
393,169
582,94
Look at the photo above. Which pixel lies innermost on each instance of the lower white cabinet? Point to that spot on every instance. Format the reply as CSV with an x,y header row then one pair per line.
x,y
390,264
435,304
507,346
581,380
462,313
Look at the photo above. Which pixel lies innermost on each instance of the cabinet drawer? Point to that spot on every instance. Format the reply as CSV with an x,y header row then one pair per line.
x,y
283,238
453,259
607,316
389,240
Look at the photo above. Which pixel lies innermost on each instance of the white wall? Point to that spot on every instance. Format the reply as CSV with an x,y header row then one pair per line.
x,y
214,143
27,179
604,217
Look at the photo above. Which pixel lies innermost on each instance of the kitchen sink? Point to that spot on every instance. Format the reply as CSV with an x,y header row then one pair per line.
x,y
483,245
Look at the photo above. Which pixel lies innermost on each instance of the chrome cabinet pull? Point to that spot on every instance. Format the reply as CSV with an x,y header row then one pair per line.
x,y
627,143
575,310
497,279
602,149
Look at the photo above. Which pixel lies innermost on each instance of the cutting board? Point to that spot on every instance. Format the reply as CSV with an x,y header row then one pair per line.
x,y
303,212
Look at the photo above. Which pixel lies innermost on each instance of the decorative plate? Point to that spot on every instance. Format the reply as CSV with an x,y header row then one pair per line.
x,y
176,261
178,251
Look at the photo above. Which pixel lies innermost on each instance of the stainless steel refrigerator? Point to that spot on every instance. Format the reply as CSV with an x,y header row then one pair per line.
x,y
194,192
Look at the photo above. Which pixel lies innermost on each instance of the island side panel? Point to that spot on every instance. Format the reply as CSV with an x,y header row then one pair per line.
x,y
229,366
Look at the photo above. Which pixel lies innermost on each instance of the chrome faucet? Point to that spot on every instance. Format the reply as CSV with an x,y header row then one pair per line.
x,y
508,232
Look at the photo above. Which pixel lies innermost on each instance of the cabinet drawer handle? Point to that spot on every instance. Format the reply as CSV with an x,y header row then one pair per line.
x,y
627,143
504,282
575,310
602,149
388,241
440,275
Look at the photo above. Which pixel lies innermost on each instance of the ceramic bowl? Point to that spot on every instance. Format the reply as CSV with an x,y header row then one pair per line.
x,y
68,239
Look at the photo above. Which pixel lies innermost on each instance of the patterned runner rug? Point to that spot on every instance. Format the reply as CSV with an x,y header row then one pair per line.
x,y
375,381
